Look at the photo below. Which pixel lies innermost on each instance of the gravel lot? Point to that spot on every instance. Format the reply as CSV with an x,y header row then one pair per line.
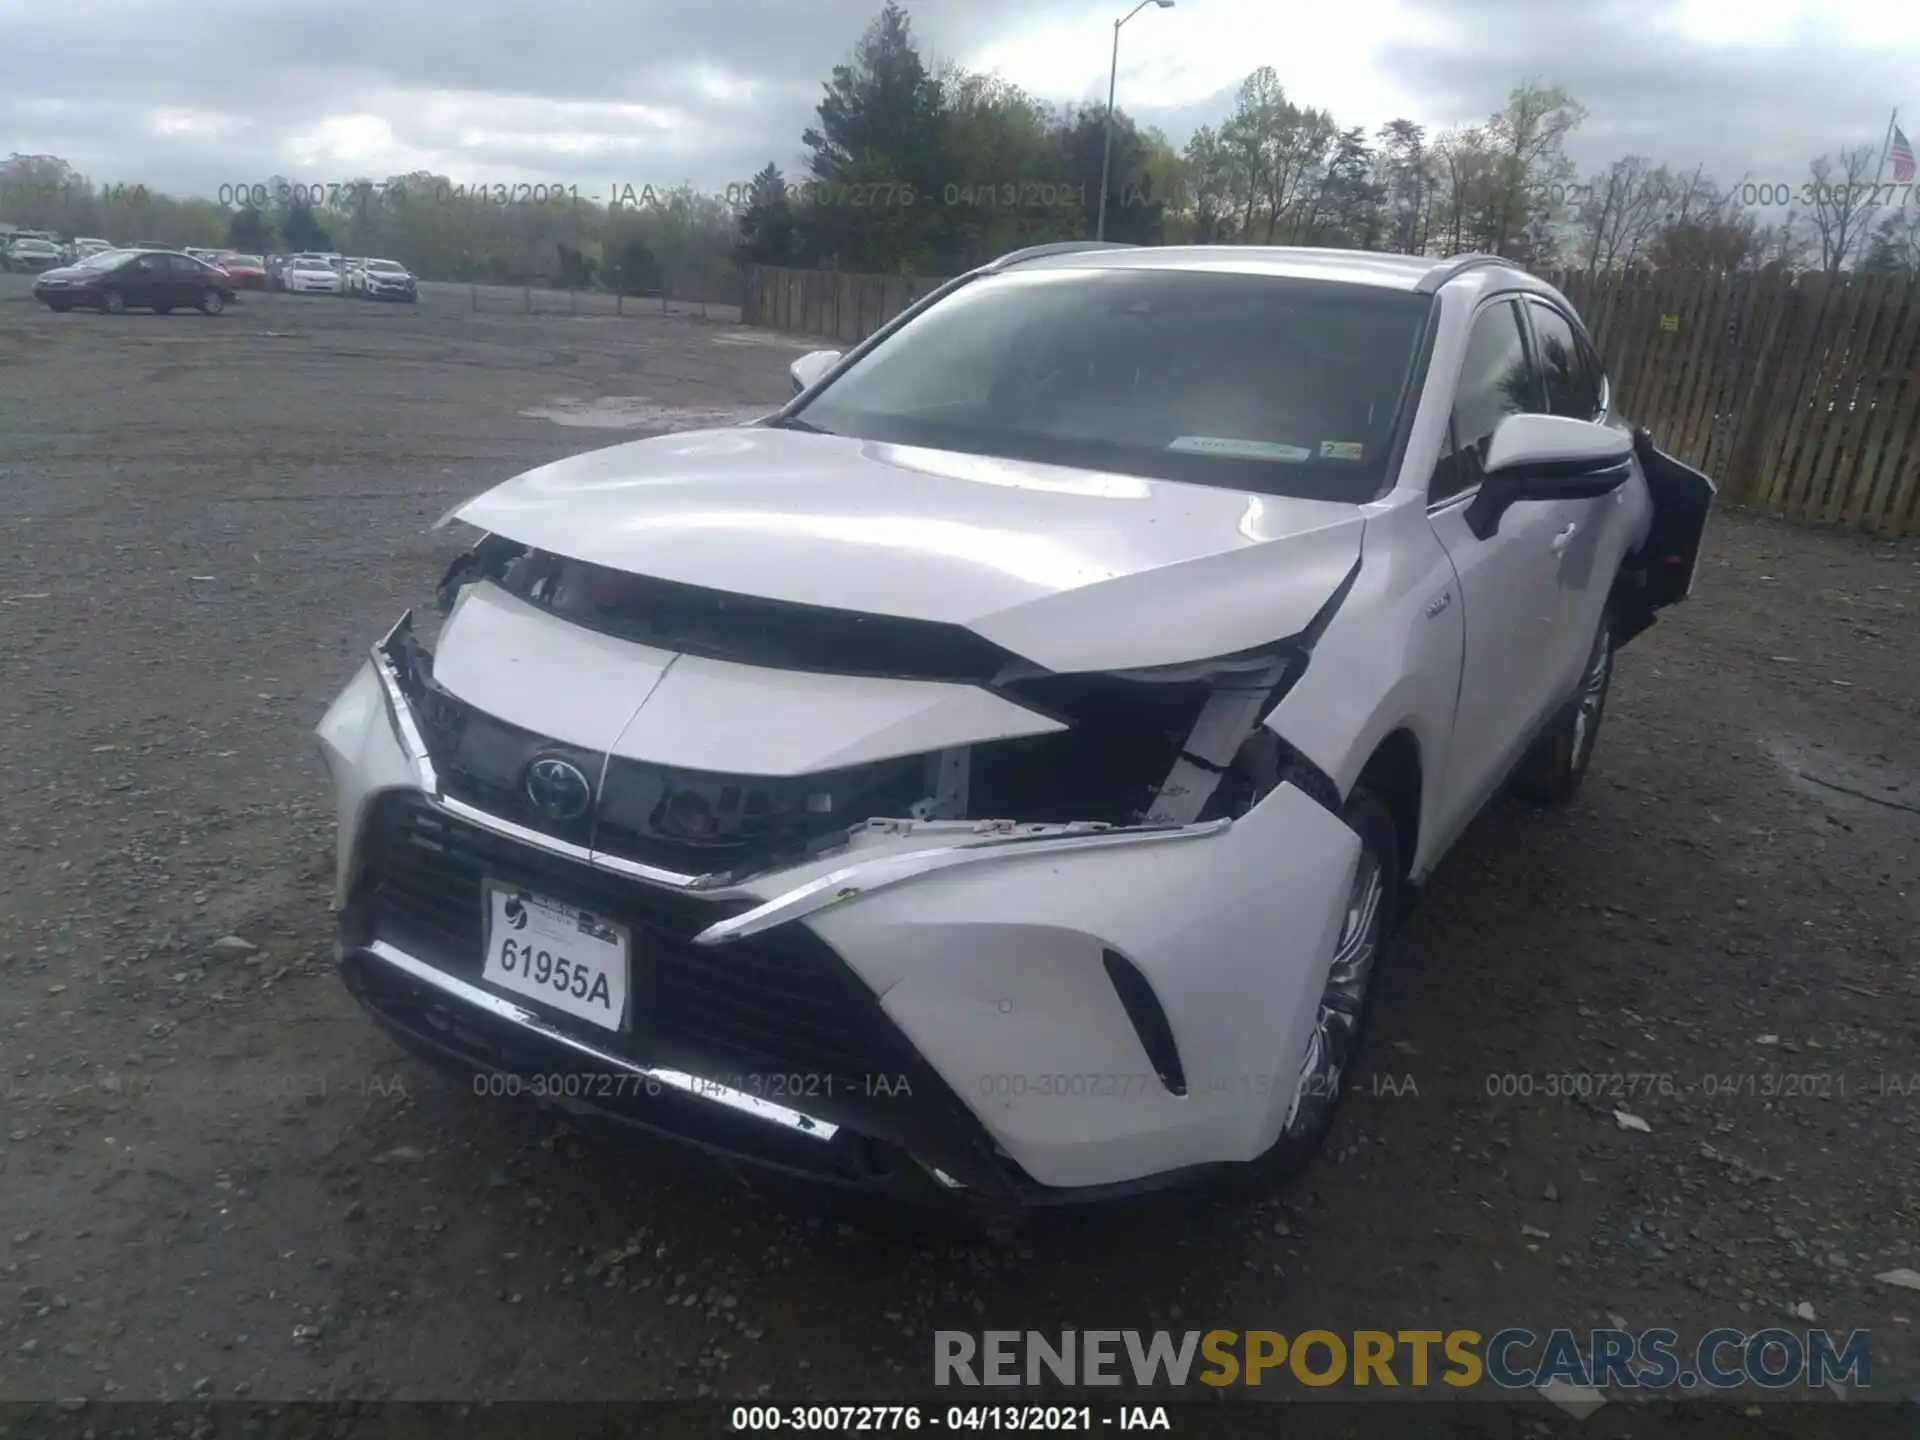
x,y
217,1178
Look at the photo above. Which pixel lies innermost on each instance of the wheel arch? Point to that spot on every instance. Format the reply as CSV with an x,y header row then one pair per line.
x,y
1395,773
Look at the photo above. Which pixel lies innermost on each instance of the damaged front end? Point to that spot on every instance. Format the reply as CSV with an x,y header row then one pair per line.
x,y
798,759
1147,750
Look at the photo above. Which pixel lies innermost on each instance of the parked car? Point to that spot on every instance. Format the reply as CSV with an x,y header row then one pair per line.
x,y
86,245
248,272
310,275
32,253
997,775
114,281
278,265
385,280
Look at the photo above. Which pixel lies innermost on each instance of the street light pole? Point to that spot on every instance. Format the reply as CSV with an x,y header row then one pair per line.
x,y
1106,142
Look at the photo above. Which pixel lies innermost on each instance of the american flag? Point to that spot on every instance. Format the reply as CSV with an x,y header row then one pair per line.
x,y
1902,156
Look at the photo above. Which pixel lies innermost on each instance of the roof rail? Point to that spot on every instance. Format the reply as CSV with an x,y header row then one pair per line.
x,y
1454,266
1058,247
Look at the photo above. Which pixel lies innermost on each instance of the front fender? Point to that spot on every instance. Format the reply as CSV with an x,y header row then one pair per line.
x,y
1389,660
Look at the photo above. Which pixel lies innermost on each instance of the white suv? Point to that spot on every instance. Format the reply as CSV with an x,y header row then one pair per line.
x,y
998,774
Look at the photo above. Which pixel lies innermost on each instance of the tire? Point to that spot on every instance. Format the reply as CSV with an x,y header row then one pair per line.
x,y
211,302
113,301
1347,998
1552,770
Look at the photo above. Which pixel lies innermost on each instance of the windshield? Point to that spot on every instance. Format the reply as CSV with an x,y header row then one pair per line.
x,y
386,266
104,260
1250,382
38,246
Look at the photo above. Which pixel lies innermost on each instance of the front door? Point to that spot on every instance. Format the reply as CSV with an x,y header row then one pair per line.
x,y
1594,533
1512,672
145,280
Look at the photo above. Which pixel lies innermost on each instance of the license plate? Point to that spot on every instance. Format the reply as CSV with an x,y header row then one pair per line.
x,y
557,954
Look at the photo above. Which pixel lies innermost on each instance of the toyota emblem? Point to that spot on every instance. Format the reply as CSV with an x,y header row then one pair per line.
x,y
558,789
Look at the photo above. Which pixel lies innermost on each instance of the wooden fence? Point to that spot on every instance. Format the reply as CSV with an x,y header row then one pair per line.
x,y
847,308
1800,395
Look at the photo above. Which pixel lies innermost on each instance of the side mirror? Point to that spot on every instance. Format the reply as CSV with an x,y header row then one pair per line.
x,y
1547,457
811,367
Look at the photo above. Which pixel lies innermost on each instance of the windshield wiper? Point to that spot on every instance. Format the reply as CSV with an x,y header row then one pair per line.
x,y
795,423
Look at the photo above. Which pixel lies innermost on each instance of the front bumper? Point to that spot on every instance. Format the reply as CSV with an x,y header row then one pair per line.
x,y
944,1017
378,291
469,1030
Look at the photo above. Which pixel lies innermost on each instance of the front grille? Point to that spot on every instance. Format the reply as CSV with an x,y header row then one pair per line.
x,y
781,1004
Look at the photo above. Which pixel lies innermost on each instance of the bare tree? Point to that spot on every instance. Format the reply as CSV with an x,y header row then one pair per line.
x,y
1895,248
1778,248
1531,166
1465,167
1621,211
1208,168
1404,173
1842,204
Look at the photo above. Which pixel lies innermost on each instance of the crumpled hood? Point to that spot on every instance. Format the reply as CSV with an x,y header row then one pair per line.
x,y
1072,569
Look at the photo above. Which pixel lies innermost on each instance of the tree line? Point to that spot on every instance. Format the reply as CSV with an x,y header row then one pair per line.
x,y
916,169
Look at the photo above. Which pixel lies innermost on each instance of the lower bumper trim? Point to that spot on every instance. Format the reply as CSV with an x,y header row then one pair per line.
x,y
677,1080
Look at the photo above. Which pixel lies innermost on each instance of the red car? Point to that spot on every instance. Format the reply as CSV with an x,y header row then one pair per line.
x,y
248,272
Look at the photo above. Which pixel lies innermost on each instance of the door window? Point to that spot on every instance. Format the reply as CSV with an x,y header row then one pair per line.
x,y
1590,357
1572,388
1496,381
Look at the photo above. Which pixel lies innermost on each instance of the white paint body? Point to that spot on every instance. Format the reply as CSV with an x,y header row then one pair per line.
x,y
992,967
313,280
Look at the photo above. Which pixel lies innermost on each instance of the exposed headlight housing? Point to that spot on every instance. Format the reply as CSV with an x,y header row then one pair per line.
x,y
1144,746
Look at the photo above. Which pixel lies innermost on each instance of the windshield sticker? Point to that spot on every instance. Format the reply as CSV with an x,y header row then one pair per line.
x,y
1242,449
1341,449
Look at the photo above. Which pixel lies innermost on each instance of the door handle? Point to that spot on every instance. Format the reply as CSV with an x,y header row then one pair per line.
x,y
1564,539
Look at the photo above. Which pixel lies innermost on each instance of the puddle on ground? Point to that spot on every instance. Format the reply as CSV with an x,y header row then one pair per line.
x,y
636,412
1834,775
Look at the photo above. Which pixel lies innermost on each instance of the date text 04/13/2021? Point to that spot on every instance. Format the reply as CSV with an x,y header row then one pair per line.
x,y
892,1419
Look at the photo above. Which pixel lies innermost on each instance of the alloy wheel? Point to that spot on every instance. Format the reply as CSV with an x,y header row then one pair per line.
x,y
1593,697
1343,1000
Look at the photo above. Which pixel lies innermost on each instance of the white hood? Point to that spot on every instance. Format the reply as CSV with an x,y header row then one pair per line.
x,y
1072,569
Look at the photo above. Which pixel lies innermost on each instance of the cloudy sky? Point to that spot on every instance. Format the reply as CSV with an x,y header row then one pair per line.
x,y
605,93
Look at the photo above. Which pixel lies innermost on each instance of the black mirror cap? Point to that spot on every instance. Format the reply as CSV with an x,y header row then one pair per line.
x,y
1571,480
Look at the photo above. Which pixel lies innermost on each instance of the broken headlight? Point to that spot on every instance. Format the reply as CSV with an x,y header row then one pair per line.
x,y
1142,746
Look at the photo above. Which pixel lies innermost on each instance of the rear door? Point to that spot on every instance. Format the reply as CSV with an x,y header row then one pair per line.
x,y
1513,672
190,279
1682,500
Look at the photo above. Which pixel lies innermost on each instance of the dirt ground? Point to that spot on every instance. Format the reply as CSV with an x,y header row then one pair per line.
x,y
218,1179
